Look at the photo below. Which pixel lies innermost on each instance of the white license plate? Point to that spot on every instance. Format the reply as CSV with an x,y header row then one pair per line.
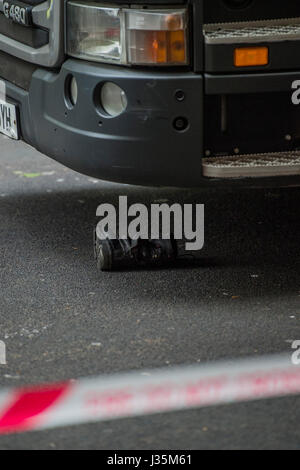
x,y
8,120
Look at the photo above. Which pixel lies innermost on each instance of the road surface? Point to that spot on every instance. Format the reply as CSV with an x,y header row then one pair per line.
x,y
61,319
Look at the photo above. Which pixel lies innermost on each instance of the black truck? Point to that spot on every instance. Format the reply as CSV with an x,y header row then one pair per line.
x,y
186,93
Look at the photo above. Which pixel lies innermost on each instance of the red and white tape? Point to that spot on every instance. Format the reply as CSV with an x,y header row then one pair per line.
x,y
142,393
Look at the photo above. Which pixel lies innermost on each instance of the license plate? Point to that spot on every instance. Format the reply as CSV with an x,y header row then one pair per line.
x,y
18,12
8,120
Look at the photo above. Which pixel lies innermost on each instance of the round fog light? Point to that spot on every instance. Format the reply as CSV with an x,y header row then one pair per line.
x,y
113,99
73,91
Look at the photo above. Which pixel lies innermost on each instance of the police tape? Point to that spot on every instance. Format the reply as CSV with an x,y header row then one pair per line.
x,y
147,392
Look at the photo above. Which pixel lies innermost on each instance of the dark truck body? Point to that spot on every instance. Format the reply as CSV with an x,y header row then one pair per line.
x,y
227,111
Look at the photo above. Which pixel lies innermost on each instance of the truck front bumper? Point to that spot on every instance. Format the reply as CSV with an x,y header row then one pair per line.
x,y
140,146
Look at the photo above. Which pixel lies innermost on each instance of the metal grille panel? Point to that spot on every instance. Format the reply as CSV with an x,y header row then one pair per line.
x,y
256,165
276,30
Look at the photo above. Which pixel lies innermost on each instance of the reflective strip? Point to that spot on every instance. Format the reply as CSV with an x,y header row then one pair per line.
x,y
147,392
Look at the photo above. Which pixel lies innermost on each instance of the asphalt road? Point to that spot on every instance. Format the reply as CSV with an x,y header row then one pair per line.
x,y
61,319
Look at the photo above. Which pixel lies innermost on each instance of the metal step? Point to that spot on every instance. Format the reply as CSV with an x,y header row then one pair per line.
x,y
252,166
252,31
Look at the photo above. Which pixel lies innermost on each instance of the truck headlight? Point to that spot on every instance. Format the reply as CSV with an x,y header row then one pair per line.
x,y
127,36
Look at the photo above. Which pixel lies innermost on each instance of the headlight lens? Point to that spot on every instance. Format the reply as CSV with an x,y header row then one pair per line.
x,y
93,33
127,36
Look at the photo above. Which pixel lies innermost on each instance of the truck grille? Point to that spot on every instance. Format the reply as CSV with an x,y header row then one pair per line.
x,y
40,44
